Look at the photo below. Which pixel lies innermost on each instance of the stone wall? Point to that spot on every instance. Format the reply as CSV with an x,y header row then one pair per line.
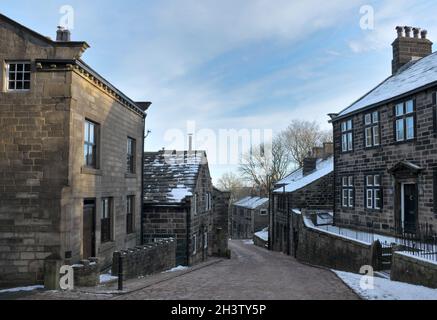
x,y
245,221
412,270
87,273
146,260
324,249
220,234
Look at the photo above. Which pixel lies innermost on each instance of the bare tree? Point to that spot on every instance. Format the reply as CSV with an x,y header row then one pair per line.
x,y
301,137
232,183
265,164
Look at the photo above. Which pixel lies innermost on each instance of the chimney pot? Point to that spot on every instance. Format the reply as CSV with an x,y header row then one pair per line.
x,y
63,34
423,34
416,32
400,31
407,31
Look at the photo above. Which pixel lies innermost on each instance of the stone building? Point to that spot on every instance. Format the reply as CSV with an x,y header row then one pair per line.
x,y
178,202
221,210
386,145
308,188
70,156
249,215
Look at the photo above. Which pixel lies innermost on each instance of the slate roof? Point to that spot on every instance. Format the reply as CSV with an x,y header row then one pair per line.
x,y
417,75
297,180
170,176
251,202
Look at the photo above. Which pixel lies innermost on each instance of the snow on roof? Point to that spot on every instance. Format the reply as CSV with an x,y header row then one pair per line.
x,y
297,180
171,176
251,202
412,77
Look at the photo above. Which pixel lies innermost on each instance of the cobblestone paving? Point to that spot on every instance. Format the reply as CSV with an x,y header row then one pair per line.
x,y
253,273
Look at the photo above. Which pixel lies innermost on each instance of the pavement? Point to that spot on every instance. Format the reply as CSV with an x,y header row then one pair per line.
x,y
253,273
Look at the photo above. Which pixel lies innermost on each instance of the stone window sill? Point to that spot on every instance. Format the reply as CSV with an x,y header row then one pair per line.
x,y
91,171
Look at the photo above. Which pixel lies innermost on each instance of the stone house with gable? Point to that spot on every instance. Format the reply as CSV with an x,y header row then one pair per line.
x,y
309,187
386,145
249,215
178,203
70,157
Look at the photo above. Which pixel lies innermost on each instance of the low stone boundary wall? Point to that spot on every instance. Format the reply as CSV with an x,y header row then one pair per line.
x,y
87,273
146,260
321,248
260,242
413,270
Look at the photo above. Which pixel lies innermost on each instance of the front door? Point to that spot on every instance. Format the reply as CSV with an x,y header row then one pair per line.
x,y
89,213
409,207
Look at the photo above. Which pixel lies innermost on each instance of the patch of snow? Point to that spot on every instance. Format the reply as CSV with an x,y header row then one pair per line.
x,y
249,242
297,211
22,289
178,268
385,289
263,235
421,258
178,194
251,202
104,278
298,181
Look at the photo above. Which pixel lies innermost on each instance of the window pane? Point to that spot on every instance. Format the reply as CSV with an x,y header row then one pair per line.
x,y
409,106
350,141
11,85
344,143
377,199
87,131
19,85
20,67
369,180
345,181
377,180
349,125
19,76
26,85
376,140
27,67
399,109
368,137
400,135
369,198
351,200
344,127
91,136
345,198
368,119
375,117
351,181
12,67
12,76
410,127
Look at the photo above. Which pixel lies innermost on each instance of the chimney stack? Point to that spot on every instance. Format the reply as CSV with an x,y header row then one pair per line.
x,y
190,143
63,35
407,48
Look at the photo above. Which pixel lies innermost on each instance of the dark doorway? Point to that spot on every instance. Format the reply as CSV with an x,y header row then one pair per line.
x,y
409,207
89,229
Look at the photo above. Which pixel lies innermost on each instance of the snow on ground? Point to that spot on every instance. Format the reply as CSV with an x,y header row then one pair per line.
x,y
178,268
264,234
22,289
385,289
248,242
104,278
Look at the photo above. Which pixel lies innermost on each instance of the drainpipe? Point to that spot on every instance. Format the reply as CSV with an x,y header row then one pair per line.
x,y
142,181
187,208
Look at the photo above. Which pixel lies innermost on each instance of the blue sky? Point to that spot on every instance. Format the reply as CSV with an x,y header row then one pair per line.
x,y
254,64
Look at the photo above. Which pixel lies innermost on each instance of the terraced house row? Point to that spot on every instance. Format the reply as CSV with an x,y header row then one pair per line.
x,y
385,145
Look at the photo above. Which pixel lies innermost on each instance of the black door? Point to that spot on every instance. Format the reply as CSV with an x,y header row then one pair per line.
x,y
89,239
410,208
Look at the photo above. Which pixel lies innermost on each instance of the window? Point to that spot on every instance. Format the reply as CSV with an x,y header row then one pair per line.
x,y
106,220
405,121
194,244
434,102
373,192
348,192
205,239
18,76
131,145
90,144
347,141
263,212
371,129
130,209
208,201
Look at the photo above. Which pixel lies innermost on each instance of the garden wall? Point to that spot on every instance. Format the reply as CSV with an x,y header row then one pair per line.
x,y
413,270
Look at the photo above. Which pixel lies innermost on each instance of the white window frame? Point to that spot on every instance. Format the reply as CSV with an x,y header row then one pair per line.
x,y
7,71
405,115
347,137
371,129
348,192
373,187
